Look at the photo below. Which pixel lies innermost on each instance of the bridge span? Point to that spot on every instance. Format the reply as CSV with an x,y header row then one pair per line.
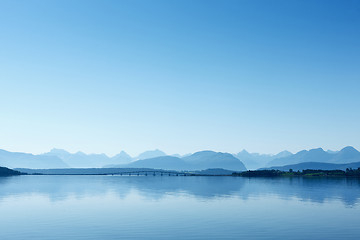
x,y
152,173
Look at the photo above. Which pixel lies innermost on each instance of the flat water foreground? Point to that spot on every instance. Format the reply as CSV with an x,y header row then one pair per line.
x,y
163,207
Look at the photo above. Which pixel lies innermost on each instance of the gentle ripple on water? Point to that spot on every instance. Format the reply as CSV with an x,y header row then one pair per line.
x,y
114,207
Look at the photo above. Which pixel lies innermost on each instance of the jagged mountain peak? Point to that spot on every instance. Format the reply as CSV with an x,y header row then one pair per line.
x,y
349,149
317,150
58,151
151,154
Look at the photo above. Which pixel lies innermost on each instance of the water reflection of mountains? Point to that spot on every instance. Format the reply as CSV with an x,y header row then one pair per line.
x,y
59,188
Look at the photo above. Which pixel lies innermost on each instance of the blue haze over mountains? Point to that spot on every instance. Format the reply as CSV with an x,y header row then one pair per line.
x,y
197,161
346,155
256,160
306,159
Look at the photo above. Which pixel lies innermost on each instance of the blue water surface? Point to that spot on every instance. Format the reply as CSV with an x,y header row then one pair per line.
x,y
182,207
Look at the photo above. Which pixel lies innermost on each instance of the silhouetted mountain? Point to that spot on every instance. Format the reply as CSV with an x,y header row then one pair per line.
x,y
26,160
8,172
282,154
150,154
209,159
346,155
59,158
79,159
122,157
255,160
82,160
60,153
317,166
197,161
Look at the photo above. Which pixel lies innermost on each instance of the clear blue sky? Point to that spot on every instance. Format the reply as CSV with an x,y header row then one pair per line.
x,y
181,76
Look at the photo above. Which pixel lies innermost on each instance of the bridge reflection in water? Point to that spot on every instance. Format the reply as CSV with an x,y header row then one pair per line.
x,y
153,173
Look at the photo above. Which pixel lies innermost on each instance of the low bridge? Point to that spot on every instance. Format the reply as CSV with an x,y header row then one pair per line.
x,y
152,173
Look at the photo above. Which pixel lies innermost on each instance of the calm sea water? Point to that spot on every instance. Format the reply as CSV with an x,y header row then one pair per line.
x,y
139,207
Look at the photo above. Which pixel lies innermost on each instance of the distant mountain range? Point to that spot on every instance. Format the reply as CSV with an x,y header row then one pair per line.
x,y
346,155
82,160
26,160
150,154
255,160
197,161
58,158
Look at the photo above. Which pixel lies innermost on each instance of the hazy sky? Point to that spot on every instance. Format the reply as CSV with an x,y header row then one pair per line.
x,y
181,76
